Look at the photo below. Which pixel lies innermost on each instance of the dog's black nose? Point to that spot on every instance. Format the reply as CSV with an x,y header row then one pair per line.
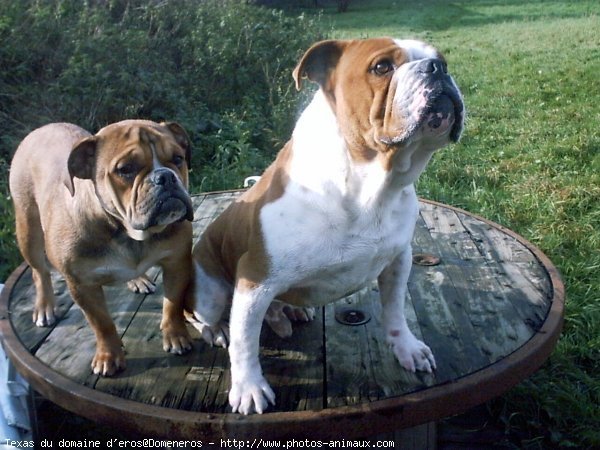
x,y
163,177
433,66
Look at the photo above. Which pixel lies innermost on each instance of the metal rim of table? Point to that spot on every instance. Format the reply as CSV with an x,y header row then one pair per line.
x,y
380,416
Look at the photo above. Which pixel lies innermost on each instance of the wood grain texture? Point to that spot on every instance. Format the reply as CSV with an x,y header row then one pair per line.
x,y
484,302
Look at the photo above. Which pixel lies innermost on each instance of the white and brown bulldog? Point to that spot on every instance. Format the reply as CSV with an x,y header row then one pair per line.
x,y
336,209
103,209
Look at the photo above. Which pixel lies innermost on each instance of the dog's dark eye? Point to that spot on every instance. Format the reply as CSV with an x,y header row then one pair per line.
x,y
383,67
127,170
178,160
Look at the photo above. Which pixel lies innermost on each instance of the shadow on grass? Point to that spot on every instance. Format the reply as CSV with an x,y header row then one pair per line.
x,y
439,15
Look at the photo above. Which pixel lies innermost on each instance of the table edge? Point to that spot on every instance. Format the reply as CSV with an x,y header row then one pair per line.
x,y
354,421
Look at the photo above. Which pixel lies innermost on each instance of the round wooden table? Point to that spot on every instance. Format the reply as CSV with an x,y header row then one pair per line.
x,y
487,302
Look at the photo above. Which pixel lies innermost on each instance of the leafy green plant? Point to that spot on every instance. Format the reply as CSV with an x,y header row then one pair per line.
x,y
221,68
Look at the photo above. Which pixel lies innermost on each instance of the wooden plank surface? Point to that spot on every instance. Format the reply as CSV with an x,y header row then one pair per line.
x,y
486,298
360,366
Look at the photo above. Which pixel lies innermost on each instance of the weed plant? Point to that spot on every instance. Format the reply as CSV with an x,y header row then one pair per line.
x,y
221,68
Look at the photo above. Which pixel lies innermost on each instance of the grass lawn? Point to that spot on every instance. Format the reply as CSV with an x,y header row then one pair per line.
x,y
530,160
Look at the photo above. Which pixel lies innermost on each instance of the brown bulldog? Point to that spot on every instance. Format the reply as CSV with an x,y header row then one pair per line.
x,y
101,209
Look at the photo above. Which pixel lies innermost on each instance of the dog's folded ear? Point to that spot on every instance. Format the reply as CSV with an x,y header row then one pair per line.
x,y
81,163
182,138
318,63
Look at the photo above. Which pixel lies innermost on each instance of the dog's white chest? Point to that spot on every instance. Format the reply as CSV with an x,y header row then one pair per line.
x,y
327,249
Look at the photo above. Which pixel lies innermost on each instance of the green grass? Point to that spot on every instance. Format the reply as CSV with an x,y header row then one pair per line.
x,y
530,160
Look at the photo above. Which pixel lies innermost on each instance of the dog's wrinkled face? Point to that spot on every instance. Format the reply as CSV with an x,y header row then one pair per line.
x,y
392,93
423,97
140,173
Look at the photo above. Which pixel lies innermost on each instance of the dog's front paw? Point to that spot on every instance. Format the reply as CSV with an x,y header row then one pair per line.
x,y
108,362
412,354
141,285
176,340
251,395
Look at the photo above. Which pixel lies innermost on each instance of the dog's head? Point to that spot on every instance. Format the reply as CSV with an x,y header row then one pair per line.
x,y
387,94
140,173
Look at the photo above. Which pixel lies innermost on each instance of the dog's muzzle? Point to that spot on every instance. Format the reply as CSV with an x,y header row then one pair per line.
x,y
426,99
444,106
165,201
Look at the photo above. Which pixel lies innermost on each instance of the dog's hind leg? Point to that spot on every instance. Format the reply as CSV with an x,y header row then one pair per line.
x,y
141,285
30,238
280,316
205,305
